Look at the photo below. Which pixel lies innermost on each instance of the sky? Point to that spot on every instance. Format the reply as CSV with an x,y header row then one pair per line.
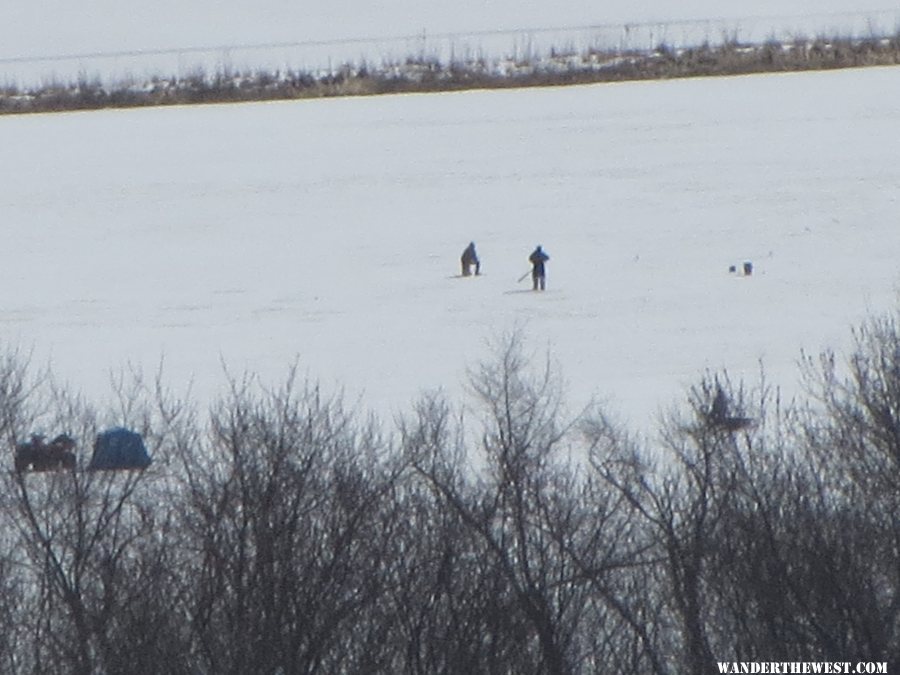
x,y
39,29
327,233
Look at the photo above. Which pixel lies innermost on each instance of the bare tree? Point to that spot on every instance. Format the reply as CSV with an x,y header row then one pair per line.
x,y
684,502
460,614
851,435
284,508
90,544
548,535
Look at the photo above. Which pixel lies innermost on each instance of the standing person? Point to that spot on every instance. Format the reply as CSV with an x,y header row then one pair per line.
x,y
538,273
469,258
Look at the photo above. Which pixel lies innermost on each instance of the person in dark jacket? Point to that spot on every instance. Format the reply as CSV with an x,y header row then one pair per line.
x,y
469,258
538,273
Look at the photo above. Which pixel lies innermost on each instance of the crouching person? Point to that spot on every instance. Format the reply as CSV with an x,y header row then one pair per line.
x,y
468,259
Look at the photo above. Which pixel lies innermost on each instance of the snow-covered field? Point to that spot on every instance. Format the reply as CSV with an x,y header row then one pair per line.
x,y
329,232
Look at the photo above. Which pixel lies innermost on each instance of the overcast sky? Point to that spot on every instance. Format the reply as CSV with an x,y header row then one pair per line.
x,y
34,28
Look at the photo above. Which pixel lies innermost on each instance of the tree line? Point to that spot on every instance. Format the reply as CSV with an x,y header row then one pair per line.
x,y
426,74
284,532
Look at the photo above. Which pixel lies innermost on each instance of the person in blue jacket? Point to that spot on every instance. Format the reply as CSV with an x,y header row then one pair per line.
x,y
538,272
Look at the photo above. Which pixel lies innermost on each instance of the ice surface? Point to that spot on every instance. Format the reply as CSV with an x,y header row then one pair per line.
x,y
328,231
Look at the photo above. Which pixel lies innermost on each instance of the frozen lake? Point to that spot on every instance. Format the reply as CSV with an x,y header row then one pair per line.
x,y
329,232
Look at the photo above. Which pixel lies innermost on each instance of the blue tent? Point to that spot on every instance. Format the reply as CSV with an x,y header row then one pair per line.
x,y
119,449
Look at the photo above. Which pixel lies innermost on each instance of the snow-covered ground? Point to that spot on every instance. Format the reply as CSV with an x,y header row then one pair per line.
x,y
330,231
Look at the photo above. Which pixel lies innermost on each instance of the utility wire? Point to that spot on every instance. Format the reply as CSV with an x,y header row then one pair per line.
x,y
425,36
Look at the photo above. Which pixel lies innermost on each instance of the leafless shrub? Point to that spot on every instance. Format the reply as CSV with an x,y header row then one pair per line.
x,y
426,73
287,534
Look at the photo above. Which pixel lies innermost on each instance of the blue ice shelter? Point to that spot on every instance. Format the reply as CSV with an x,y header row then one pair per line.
x,y
119,449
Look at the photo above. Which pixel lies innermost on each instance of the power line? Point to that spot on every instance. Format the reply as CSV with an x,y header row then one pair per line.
x,y
444,36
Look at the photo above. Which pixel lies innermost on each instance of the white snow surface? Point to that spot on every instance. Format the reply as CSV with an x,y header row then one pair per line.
x,y
329,232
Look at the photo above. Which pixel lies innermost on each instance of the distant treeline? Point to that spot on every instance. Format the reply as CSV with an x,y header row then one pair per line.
x,y
424,74
284,533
